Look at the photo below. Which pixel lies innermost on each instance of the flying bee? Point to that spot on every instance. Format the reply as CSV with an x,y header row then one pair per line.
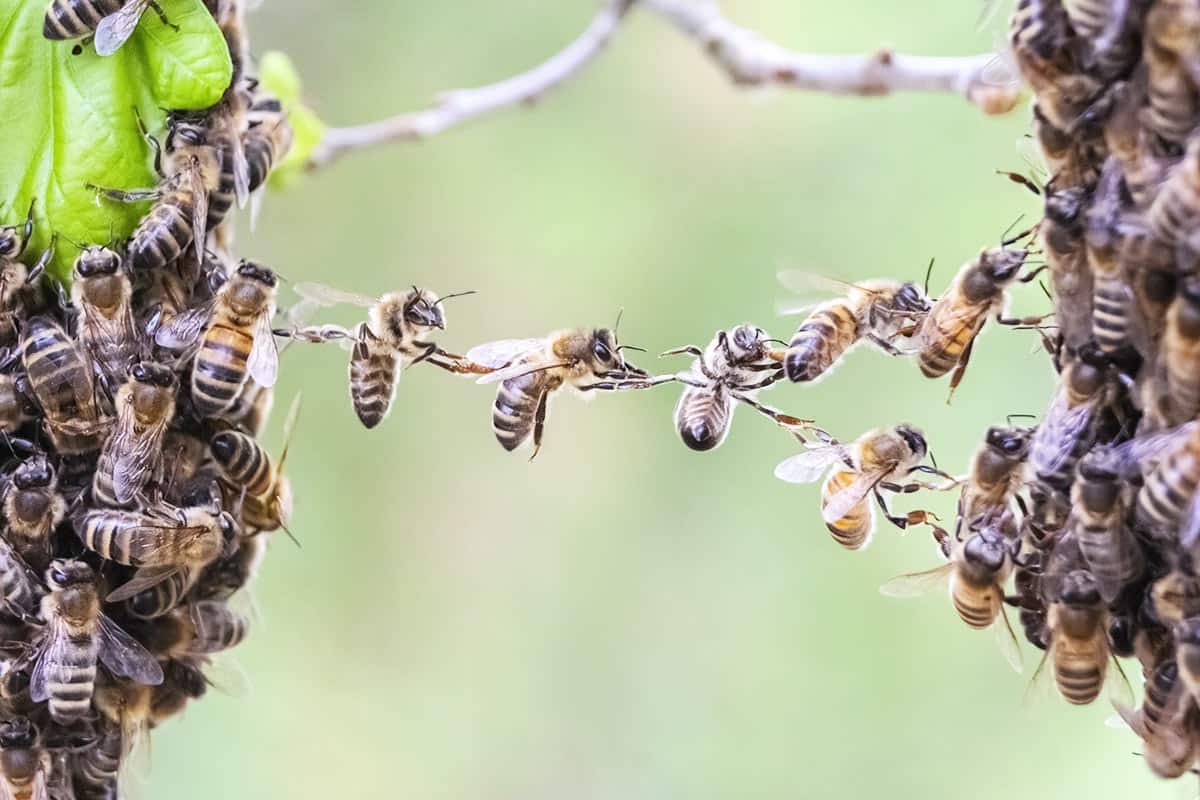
x,y
1178,200
132,455
1048,55
61,381
33,509
233,336
189,169
880,311
977,569
391,340
1062,239
995,477
1098,506
530,371
1078,651
77,636
101,295
1164,722
1173,67
872,463
24,766
948,333
264,492
735,366
1067,428
113,21
267,139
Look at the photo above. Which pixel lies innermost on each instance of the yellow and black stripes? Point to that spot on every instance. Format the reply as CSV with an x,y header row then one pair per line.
x,y
853,530
821,340
374,370
71,19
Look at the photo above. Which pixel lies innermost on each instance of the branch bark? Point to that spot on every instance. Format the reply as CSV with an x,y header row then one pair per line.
x,y
748,59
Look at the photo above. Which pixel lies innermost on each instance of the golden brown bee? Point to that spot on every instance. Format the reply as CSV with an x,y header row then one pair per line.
x,y
1169,462
530,371
880,311
1112,295
101,295
1070,278
113,21
1165,722
61,381
948,333
76,637
258,483
24,766
125,704
233,336
33,509
182,682
155,538
132,455
736,366
1108,548
1078,651
391,340
227,123
1067,428
1172,58
1048,55
192,170
976,572
1177,203
267,139
875,461
995,477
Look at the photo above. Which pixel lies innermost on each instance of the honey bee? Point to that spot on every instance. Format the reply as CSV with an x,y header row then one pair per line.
x,y
1067,427
77,635
1070,158
1180,352
390,341
947,335
735,366
1167,505
233,337
1112,296
252,408
1175,596
126,705
226,124
197,629
182,682
20,590
230,573
1070,278
1187,654
977,569
15,407
265,494
880,311
1171,57
101,295
33,509
164,596
267,139
1164,722
132,455
113,21
1110,31
995,477
1047,53
60,380
1098,507
530,371
1078,651
155,540
191,171
15,277
96,770
24,766
872,463
1175,206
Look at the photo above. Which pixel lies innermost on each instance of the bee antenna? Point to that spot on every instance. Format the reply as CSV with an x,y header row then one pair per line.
x,y
456,294
291,536
617,325
1011,417
778,341
928,273
630,347
1046,291
933,460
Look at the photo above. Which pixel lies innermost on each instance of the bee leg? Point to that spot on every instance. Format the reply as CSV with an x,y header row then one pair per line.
x,y
539,424
953,481
1029,276
764,383
1023,322
960,369
430,349
885,345
127,195
27,230
723,340
785,420
629,383
162,15
689,349
38,268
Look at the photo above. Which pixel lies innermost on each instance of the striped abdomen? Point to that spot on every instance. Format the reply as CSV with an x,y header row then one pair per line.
x,y
374,371
164,232
1112,307
70,19
821,340
221,198
1079,668
61,380
22,592
1171,103
97,767
703,416
244,462
1173,210
975,606
217,628
103,491
219,372
267,141
71,680
1181,355
516,407
853,530
1168,489
947,331
1110,557
164,596
131,538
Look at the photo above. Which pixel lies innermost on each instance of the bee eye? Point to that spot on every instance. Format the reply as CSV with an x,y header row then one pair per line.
x,y
58,577
1011,445
601,351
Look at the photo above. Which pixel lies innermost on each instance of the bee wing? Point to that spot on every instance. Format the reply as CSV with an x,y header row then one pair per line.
x,y
118,26
1189,531
808,466
915,584
124,656
114,335
143,579
1138,455
40,789
324,295
263,363
1006,640
183,330
199,206
1118,688
846,499
241,169
812,289
517,370
503,352
136,460
53,650
1059,432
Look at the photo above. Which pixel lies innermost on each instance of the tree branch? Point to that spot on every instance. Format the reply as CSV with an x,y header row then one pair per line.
x,y
748,59
462,105
751,60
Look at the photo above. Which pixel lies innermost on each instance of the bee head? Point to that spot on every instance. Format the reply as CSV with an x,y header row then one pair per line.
x,y
910,297
1089,371
65,572
423,310
33,473
913,439
746,341
97,260
1079,588
17,733
255,271
184,131
1009,440
604,349
1002,264
153,374
987,550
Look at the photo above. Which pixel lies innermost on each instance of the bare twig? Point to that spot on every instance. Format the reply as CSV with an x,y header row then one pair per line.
x,y
462,105
751,60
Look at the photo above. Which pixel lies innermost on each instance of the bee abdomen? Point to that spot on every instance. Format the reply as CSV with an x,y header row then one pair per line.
x,y
373,379
514,410
1079,681
220,372
1168,488
103,491
244,462
97,768
163,233
1108,557
71,682
1171,210
944,349
820,341
221,199
702,417
70,19
260,157
975,614
853,530
1110,315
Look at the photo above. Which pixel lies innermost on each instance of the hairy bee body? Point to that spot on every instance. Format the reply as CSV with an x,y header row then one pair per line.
x,y
1180,352
1177,203
20,589
24,766
60,379
1068,426
1113,558
1112,297
1110,32
164,596
374,373
137,539
71,19
1169,485
132,455
33,509
1173,104
981,567
97,769
1070,278
198,629
1047,53
853,529
101,295
1165,721
267,139
1079,654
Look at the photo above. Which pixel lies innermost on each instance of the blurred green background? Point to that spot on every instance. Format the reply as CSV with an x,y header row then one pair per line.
x,y
624,618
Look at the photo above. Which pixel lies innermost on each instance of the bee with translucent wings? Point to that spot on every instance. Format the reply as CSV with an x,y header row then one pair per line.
x,y
976,572
1067,428
24,765
116,28
873,463
529,371
391,340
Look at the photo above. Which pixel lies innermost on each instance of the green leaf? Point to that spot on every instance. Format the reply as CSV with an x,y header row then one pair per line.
x,y
70,121
279,76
